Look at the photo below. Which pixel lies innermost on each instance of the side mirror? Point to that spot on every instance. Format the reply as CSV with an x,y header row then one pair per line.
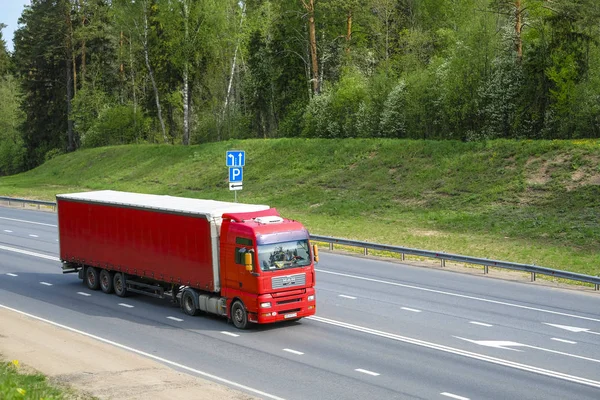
x,y
248,261
316,253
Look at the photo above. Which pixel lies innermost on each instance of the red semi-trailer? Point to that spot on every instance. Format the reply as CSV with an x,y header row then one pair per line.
x,y
242,261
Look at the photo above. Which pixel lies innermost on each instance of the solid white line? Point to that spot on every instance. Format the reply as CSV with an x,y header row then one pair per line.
x,y
33,235
480,323
11,274
7,231
125,305
454,396
46,283
230,334
175,319
457,295
28,222
29,253
294,351
564,340
364,371
347,297
464,353
148,355
410,309
84,294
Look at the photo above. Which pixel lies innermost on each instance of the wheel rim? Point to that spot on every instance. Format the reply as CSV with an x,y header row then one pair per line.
x,y
91,278
238,314
104,280
189,304
118,284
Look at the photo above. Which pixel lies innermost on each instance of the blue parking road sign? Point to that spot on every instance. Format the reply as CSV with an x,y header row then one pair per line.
x,y
236,174
235,158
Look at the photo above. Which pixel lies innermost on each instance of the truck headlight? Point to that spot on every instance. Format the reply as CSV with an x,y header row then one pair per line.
x,y
265,305
311,297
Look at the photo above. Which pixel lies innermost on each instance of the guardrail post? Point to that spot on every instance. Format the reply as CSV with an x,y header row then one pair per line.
x,y
402,256
330,246
533,277
597,287
485,269
366,251
443,263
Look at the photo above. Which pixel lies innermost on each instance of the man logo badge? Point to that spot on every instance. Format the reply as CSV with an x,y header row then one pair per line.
x,y
288,280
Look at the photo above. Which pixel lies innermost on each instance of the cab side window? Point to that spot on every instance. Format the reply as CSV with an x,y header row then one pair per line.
x,y
243,245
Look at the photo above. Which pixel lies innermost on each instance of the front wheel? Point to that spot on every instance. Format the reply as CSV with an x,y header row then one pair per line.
x,y
119,284
239,316
92,280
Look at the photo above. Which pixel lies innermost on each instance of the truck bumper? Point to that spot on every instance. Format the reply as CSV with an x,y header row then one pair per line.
x,y
285,308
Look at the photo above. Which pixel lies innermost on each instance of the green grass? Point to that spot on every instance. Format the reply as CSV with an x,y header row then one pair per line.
x,y
522,201
15,385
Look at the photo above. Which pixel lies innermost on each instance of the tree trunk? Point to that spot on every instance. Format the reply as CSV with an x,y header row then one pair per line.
x,y
186,102
518,29
83,50
312,38
70,74
151,73
348,30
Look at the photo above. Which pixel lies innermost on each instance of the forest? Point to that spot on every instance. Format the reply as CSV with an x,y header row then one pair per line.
x,y
89,73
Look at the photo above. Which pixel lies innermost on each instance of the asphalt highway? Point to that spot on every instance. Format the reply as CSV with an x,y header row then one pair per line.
x,y
383,330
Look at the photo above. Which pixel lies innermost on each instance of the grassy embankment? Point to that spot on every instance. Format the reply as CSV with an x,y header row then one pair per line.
x,y
522,201
15,385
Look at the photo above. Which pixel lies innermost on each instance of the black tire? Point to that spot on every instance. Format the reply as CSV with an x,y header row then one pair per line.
x,y
106,281
91,278
239,316
119,284
188,304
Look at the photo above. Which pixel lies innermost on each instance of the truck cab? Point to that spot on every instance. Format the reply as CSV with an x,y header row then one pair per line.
x,y
266,268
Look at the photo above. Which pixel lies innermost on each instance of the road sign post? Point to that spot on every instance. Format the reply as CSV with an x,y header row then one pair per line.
x,y
235,160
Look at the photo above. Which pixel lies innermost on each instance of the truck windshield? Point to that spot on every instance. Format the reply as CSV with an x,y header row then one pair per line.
x,y
283,255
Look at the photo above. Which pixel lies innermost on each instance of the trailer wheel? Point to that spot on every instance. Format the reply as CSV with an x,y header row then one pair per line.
x,y
239,316
106,281
188,304
119,284
92,280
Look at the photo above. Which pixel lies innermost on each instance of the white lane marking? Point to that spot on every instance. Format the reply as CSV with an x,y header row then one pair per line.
x,y
464,353
29,253
175,319
230,334
410,309
299,353
573,328
457,295
11,274
126,305
8,231
33,235
564,340
347,297
454,396
45,283
480,323
84,294
148,355
364,371
28,222
504,345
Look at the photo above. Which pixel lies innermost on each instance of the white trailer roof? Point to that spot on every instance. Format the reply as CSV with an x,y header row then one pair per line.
x,y
209,208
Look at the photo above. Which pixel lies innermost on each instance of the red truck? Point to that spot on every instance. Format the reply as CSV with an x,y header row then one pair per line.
x,y
242,261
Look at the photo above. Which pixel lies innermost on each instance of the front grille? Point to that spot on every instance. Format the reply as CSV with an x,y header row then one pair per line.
x,y
279,303
287,281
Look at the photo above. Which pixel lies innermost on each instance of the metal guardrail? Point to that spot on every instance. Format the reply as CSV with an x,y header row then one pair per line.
x,y
23,202
366,246
531,268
